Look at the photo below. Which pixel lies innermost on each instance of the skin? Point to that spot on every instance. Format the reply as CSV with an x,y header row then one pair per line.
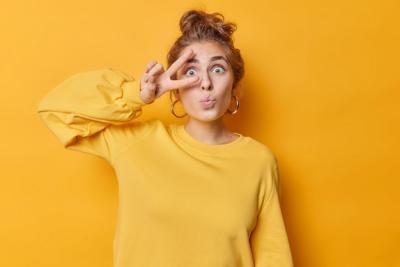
x,y
198,76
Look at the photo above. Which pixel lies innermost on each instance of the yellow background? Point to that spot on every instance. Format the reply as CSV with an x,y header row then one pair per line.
x,y
321,89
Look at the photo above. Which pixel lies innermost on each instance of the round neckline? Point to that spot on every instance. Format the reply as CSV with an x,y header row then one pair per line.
x,y
191,141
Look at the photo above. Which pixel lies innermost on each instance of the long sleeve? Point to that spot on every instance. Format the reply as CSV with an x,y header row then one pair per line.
x,y
269,241
89,111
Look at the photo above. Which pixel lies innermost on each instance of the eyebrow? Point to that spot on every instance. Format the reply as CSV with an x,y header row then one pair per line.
x,y
214,58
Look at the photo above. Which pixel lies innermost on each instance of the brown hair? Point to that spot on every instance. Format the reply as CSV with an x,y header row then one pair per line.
x,y
197,26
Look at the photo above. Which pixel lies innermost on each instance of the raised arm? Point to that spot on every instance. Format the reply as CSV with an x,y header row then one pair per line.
x,y
96,111
269,241
80,108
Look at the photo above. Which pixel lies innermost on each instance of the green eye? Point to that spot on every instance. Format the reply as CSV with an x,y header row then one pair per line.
x,y
193,72
187,71
223,70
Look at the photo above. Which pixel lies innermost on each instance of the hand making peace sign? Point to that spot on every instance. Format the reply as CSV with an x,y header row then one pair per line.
x,y
155,81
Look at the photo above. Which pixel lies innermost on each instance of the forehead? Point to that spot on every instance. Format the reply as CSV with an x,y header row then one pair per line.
x,y
205,52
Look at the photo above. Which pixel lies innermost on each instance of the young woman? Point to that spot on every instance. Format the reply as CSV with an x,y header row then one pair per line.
x,y
192,194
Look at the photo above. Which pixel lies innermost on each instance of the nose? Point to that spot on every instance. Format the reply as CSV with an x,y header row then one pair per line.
x,y
206,83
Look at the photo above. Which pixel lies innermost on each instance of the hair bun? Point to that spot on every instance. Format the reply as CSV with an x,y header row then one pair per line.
x,y
194,21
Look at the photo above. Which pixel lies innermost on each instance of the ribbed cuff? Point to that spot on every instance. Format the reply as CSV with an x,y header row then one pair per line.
x,y
131,93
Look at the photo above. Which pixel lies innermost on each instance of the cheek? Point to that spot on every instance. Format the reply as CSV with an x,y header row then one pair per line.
x,y
227,99
224,88
188,97
224,82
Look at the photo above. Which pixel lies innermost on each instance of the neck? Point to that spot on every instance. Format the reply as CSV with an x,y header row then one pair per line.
x,y
209,132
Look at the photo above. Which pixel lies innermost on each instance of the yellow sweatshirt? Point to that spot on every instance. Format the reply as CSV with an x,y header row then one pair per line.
x,y
182,202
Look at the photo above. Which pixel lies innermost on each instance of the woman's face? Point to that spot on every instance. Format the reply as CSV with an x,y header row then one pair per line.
x,y
216,79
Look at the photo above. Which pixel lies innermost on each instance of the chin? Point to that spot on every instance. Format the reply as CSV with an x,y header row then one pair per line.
x,y
206,115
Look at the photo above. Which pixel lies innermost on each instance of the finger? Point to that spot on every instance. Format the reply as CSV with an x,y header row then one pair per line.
x,y
180,61
147,78
185,82
151,87
150,79
156,69
150,65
